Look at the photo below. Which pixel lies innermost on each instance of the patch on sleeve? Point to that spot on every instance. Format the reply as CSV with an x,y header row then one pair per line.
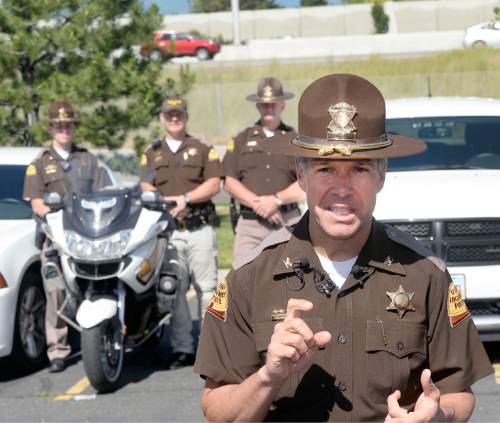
x,y
31,170
457,309
144,160
230,145
218,304
212,155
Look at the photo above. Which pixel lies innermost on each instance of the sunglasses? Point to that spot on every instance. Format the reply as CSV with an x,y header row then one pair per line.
x,y
174,114
62,127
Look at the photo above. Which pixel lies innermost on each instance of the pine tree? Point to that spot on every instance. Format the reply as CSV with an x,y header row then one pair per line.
x,y
85,52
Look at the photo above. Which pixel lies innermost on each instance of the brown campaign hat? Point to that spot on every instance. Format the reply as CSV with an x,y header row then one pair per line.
x,y
269,90
173,103
342,116
62,112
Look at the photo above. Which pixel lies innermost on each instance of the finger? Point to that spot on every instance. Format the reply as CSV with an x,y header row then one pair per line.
x,y
295,307
292,340
428,386
393,408
297,326
322,338
277,352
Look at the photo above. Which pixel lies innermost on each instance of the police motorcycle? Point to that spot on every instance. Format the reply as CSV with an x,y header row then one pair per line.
x,y
120,293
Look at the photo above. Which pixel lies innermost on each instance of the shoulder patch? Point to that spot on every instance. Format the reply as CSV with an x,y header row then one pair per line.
x,y
457,309
274,238
31,170
212,155
219,304
408,241
230,145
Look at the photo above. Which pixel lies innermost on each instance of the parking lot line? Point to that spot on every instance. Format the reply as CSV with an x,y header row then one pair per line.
x,y
76,389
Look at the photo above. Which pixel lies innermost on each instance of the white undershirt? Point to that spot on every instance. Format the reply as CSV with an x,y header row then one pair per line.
x,y
63,153
268,133
173,145
337,270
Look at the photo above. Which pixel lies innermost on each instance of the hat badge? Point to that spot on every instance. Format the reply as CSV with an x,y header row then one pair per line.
x,y
341,126
63,116
267,94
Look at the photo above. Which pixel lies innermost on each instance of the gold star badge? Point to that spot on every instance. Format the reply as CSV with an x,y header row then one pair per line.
x,y
400,301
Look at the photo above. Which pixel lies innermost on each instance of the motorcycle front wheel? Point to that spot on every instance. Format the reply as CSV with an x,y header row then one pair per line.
x,y
102,354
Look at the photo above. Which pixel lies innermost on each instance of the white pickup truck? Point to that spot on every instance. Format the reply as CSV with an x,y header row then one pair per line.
x,y
449,197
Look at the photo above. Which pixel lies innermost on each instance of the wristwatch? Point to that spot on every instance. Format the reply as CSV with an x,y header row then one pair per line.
x,y
278,200
186,199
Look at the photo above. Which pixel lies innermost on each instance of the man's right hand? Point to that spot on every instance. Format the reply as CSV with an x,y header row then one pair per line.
x,y
292,345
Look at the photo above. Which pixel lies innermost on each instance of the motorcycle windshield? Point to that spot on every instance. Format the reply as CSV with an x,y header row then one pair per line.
x,y
103,212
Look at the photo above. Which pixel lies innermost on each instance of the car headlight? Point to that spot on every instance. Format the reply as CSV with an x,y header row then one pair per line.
x,y
105,248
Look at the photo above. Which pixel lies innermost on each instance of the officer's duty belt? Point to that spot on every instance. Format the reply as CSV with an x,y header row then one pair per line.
x,y
248,213
199,215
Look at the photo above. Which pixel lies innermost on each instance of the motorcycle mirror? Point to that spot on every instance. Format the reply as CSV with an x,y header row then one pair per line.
x,y
53,200
150,198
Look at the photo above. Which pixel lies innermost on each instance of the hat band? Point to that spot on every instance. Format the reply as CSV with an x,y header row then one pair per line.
x,y
325,147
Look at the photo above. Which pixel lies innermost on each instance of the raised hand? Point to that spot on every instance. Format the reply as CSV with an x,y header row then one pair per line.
x,y
292,345
426,408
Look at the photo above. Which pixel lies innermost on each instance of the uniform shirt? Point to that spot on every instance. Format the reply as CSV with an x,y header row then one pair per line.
x,y
261,172
182,171
373,350
80,173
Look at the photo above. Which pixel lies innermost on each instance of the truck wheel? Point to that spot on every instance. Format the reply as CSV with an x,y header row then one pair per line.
x,y
102,354
202,54
29,346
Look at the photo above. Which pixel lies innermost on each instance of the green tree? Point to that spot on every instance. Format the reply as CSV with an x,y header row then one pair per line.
x,y
497,13
380,18
86,52
306,3
207,6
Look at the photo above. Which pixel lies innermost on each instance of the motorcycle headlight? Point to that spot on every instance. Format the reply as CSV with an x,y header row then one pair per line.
x,y
105,248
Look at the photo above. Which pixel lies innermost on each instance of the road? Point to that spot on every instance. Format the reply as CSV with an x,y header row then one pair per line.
x,y
149,392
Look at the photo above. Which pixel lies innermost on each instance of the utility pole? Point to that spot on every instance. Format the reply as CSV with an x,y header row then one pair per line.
x,y
235,9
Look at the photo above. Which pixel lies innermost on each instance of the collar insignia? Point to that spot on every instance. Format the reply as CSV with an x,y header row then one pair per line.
x,y
400,301
341,126
388,261
288,263
279,314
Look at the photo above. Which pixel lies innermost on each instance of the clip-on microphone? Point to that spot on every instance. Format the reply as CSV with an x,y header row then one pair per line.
x,y
298,267
360,273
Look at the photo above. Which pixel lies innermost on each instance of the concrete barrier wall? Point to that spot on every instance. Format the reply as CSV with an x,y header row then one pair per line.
x,y
411,16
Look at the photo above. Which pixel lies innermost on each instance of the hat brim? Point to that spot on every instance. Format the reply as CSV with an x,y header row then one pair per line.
x,y
401,147
69,120
255,98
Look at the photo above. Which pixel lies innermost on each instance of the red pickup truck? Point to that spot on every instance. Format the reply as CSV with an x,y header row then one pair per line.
x,y
180,44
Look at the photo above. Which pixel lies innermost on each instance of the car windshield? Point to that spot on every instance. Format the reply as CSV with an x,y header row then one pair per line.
x,y
12,205
452,142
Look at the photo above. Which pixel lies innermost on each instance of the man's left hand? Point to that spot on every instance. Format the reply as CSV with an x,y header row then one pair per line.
x,y
179,210
265,205
427,407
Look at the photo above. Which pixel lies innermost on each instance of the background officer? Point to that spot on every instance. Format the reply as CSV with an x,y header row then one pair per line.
x,y
63,168
344,318
263,183
187,171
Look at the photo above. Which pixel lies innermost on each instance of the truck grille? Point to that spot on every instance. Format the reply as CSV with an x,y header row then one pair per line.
x,y
458,242
483,308
96,271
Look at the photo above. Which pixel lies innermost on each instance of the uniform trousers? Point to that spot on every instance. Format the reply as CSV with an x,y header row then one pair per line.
x,y
56,329
251,232
197,256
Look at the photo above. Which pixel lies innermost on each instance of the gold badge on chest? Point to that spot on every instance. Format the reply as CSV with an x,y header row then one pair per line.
x,y
278,314
251,143
400,301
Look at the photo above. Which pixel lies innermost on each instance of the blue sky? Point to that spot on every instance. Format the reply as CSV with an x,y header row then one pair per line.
x,y
172,7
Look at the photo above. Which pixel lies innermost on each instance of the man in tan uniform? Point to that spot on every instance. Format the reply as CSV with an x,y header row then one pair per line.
x,y
340,318
264,184
63,168
187,171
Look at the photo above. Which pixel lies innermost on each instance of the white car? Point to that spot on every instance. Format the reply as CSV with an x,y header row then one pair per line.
x,y
482,35
22,300
448,196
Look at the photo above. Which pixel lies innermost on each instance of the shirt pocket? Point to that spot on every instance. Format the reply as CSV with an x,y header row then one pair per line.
x,y
53,177
396,361
162,172
263,332
251,157
192,168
